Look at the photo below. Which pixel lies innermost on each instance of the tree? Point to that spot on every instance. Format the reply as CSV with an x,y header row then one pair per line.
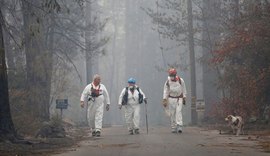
x,y
171,20
243,54
52,33
6,124
38,60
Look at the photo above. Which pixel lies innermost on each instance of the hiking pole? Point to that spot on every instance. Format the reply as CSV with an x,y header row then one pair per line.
x,y
146,119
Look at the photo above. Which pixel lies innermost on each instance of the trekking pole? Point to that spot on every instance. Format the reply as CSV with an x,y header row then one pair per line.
x,y
146,119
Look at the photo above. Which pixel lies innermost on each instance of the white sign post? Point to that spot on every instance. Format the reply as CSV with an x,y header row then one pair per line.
x,y
200,108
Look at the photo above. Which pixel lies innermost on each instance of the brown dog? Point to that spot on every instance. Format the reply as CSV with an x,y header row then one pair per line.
x,y
236,123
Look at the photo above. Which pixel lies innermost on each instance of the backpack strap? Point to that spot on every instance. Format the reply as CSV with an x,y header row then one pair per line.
x,y
167,83
125,97
177,79
126,92
138,89
140,96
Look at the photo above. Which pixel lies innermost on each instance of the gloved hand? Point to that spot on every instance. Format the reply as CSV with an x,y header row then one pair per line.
x,y
184,101
165,102
82,104
107,107
145,101
120,106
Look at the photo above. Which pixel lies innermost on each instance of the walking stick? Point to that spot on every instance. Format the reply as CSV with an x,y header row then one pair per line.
x,y
146,119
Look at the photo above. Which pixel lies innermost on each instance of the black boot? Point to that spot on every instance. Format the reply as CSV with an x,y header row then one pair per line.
x,y
179,129
94,133
131,132
97,133
137,131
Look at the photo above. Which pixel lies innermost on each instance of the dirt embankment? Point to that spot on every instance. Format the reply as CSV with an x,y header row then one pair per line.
x,y
43,146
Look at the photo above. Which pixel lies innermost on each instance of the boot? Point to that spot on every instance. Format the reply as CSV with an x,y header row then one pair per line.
x,y
94,133
131,132
174,130
179,129
97,133
137,131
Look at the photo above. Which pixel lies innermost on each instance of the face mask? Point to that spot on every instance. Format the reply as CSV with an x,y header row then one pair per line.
x,y
172,77
131,88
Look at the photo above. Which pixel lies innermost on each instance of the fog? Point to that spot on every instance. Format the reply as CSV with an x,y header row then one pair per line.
x,y
136,50
54,48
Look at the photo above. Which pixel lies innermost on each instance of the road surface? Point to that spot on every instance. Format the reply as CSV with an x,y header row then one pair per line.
x,y
194,141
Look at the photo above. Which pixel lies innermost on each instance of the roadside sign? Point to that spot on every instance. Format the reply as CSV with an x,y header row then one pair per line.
x,y
200,105
61,103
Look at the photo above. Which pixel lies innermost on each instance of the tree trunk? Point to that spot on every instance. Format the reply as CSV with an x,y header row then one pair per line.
x,y
6,124
50,42
192,63
38,61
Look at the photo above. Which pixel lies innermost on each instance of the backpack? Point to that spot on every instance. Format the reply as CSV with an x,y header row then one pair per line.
x,y
125,97
179,80
95,92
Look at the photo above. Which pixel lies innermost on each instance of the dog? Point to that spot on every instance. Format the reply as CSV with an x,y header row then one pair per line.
x,y
236,123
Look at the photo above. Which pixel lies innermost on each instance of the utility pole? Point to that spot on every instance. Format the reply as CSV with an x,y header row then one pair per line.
x,y
192,63
88,52
88,42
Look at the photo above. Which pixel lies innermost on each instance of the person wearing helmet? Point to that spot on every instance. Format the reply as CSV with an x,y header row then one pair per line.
x,y
174,97
131,97
95,94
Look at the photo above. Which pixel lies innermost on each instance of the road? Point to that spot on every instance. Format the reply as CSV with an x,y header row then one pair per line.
x,y
194,141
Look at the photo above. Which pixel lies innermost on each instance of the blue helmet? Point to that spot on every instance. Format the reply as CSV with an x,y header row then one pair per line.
x,y
131,80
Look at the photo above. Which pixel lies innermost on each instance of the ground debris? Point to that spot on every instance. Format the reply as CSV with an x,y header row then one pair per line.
x,y
42,146
265,146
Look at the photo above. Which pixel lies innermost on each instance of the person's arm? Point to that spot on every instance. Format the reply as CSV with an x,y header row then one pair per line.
x,y
106,95
144,97
165,94
184,91
84,95
121,96
142,93
166,90
184,88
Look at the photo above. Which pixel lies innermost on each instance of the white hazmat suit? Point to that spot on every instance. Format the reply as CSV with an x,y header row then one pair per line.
x,y
95,105
132,108
174,92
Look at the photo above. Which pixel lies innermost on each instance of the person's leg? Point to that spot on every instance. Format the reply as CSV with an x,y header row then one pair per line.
x,y
91,117
179,119
172,107
128,117
136,118
99,117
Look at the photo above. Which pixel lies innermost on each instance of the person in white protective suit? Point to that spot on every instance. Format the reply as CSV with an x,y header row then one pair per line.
x,y
131,97
174,97
95,94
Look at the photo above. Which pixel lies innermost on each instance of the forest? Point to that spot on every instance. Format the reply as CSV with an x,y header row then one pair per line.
x,y
51,49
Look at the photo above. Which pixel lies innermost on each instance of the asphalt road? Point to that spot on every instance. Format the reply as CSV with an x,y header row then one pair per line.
x,y
194,141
